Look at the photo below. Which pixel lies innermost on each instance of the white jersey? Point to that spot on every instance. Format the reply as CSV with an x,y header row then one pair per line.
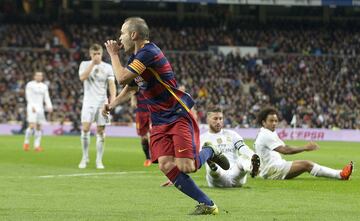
x,y
225,140
96,85
229,142
265,143
36,94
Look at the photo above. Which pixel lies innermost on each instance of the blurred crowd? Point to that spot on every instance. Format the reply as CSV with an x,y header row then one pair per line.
x,y
321,90
277,36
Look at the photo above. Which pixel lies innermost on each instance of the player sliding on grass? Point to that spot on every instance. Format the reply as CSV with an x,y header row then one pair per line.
x,y
269,147
242,159
98,77
36,93
174,137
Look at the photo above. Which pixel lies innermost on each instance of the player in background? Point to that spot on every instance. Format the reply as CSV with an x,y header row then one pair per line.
x,y
97,77
143,123
174,137
242,159
269,147
36,93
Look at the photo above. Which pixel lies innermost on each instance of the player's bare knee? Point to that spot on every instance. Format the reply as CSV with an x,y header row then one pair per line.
x,y
186,168
85,127
309,165
166,166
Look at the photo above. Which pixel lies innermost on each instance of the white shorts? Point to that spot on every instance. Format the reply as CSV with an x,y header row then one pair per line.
x,y
277,171
90,114
233,177
37,117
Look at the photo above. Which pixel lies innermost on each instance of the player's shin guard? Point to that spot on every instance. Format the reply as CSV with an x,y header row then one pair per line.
x,y
28,133
37,140
186,185
85,142
321,171
100,140
145,146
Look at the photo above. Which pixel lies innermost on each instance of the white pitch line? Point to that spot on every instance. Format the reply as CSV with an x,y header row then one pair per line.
x,y
94,174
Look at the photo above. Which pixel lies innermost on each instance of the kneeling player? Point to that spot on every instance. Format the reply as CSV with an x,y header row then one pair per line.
x,y
242,159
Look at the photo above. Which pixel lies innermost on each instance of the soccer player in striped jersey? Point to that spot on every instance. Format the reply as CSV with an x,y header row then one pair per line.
x,y
174,137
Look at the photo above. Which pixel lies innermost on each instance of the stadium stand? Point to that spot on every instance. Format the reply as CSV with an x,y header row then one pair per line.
x,y
317,67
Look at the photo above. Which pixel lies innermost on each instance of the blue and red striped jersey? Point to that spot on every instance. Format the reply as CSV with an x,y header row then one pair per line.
x,y
141,103
158,85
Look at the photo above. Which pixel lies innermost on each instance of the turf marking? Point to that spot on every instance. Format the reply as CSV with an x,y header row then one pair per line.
x,y
93,174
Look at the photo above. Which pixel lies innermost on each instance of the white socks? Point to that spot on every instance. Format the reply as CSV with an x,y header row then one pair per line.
x,y
99,147
37,140
28,133
85,142
244,163
321,171
245,150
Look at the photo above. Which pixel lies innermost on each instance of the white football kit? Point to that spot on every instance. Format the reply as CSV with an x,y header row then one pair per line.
x,y
229,142
95,92
272,165
36,94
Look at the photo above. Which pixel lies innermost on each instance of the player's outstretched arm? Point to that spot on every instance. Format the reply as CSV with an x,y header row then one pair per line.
x,y
122,75
124,96
287,150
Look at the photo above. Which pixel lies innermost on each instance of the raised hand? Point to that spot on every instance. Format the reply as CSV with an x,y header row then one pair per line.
x,y
112,47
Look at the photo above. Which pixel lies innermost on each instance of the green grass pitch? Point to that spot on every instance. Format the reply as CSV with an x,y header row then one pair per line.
x,y
49,186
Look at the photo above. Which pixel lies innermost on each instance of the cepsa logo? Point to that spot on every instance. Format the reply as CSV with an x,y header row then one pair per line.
x,y
301,135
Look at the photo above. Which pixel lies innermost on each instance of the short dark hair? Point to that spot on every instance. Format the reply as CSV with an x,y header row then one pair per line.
x,y
214,109
95,47
139,26
264,113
